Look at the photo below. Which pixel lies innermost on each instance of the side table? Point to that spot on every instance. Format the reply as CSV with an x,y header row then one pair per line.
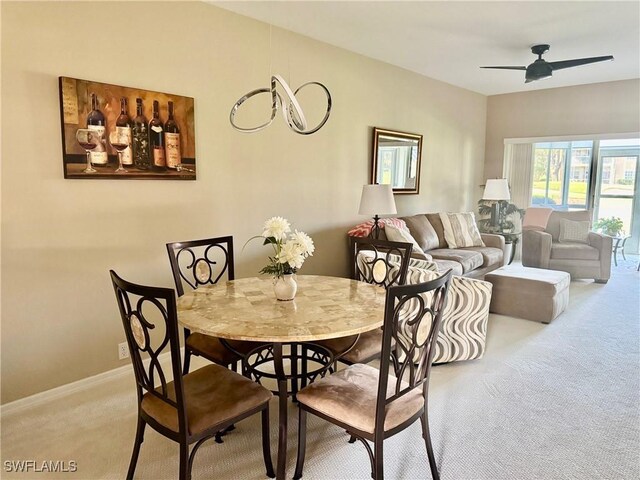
x,y
510,238
618,244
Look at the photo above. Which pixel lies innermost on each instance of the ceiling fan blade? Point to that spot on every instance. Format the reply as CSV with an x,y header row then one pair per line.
x,y
578,61
508,68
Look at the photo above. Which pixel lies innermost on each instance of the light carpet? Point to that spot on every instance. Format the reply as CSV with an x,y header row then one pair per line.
x,y
558,401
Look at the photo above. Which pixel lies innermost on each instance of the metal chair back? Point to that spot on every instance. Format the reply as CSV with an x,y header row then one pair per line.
x,y
201,262
372,261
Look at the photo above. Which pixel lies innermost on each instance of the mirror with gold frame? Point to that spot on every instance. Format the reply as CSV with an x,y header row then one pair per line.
x,y
396,160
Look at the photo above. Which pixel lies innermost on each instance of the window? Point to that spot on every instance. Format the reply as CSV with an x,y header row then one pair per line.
x,y
561,173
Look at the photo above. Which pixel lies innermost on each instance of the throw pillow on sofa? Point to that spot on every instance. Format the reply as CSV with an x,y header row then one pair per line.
x,y
364,229
395,234
460,230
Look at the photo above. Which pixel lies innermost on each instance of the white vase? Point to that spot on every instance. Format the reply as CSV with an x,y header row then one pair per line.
x,y
285,287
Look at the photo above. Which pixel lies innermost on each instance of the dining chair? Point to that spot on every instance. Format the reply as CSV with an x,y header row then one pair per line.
x,y
373,404
371,263
204,262
193,407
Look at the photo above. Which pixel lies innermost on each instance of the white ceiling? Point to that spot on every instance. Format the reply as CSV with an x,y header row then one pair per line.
x,y
449,40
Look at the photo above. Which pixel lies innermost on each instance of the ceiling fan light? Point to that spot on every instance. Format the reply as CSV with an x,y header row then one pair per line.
x,y
536,78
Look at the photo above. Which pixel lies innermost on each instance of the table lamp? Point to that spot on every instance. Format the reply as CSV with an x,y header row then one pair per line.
x,y
496,189
377,200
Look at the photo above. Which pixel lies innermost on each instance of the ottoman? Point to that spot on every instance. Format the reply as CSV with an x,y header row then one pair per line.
x,y
533,293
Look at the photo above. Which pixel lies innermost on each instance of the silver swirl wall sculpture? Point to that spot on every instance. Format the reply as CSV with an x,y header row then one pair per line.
x,y
291,110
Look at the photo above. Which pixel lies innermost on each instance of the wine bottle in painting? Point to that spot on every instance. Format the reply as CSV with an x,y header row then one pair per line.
x,y
123,130
96,123
156,141
140,138
172,140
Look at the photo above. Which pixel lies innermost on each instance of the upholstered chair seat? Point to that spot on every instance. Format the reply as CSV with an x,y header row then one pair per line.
x,y
366,348
213,395
574,251
349,396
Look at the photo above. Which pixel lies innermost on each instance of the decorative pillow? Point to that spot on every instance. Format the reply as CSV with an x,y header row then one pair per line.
x,y
571,232
423,232
395,234
460,230
364,229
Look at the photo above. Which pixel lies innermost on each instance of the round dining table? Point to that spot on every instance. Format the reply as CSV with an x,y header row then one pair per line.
x,y
246,309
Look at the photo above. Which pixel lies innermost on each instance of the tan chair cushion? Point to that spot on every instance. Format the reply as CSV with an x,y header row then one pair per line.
x,y
366,348
469,259
350,397
422,231
213,394
212,348
574,251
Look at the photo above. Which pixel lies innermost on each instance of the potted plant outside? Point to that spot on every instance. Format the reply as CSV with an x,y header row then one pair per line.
x,y
611,226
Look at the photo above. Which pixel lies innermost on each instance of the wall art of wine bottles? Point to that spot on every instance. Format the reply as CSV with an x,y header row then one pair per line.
x,y
109,131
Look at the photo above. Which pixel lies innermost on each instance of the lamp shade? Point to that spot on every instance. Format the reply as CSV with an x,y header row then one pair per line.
x,y
496,189
377,200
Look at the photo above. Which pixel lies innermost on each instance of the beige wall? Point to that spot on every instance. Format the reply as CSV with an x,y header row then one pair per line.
x,y
60,237
599,108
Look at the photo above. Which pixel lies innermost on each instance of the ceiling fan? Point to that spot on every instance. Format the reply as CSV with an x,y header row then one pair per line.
x,y
542,69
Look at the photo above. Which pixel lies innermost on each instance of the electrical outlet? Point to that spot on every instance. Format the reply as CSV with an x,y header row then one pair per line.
x,y
123,351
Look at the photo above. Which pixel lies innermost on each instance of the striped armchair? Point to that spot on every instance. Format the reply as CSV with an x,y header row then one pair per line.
x,y
464,320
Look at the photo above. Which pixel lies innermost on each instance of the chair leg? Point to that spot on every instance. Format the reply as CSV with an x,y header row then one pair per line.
x,y
352,438
378,473
136,447
302,442
222,433
266,443
187,361
424,420
185,470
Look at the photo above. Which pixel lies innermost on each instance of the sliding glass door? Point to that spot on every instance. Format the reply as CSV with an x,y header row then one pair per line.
x,y
617,186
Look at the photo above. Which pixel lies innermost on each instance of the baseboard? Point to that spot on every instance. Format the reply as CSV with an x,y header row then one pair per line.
x,y
74,387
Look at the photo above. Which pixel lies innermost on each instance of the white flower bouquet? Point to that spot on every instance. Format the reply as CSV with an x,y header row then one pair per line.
x,y
290,249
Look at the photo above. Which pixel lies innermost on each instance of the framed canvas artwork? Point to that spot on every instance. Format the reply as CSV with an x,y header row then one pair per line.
x,y
115,132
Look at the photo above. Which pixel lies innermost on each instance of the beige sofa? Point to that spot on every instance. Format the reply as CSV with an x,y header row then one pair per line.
x,y
472,262
542,249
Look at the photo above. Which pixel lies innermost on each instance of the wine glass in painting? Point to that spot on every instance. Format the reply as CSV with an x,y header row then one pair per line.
x,y
88,140
119,143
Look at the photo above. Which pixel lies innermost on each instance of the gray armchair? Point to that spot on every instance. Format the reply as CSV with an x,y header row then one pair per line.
x,y
541,249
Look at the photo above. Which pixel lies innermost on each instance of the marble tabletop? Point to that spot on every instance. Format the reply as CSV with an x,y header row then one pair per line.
x,y
246,309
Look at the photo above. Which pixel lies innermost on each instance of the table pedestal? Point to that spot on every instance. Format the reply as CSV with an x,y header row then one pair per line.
x,y
253,367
